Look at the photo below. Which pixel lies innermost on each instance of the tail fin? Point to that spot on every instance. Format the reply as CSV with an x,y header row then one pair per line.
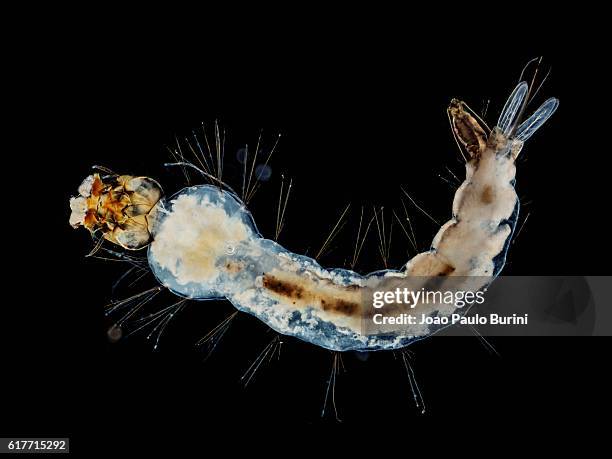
x,y
513,110
533,123
512,107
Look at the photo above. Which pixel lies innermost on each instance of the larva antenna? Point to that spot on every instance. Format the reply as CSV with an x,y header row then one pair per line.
x,y
533,123
512,107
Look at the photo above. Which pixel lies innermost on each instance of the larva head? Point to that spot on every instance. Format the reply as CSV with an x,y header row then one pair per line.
x,y
116,207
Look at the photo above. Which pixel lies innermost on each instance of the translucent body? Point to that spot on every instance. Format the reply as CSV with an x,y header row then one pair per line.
x,y
206,245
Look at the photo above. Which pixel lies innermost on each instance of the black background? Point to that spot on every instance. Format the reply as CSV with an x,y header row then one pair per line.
x,y
360,115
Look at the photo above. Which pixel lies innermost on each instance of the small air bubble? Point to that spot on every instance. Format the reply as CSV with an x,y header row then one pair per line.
x,y
241,155
263,172
114,333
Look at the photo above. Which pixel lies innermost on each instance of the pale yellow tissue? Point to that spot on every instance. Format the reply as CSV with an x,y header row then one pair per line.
x,y
193,236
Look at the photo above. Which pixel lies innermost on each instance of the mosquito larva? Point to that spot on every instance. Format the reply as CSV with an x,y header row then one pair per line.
x,y
203,242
